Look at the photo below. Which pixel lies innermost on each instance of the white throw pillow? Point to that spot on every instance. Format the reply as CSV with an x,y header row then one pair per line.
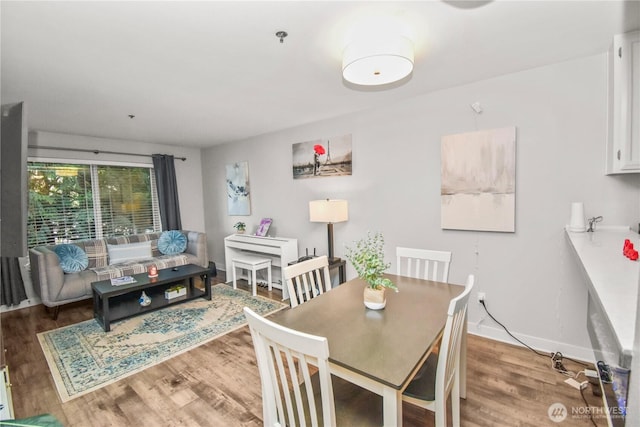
x,y
129,252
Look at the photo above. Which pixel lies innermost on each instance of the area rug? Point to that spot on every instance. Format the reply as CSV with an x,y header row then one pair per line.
x,y
82,357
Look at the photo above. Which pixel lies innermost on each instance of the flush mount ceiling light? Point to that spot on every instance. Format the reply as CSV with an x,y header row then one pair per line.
x,y
377,62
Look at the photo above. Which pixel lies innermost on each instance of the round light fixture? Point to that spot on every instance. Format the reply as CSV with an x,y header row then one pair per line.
x,y
377,62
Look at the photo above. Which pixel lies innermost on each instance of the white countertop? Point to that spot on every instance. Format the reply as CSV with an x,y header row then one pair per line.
x,y
612,277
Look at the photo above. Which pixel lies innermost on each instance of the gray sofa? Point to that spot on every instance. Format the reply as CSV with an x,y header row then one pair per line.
x,y
55,287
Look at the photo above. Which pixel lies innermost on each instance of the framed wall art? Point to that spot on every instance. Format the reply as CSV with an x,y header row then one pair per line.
x,y
478,180
322,157
238,191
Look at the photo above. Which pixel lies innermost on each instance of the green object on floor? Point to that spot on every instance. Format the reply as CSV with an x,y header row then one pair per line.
x,y
44,420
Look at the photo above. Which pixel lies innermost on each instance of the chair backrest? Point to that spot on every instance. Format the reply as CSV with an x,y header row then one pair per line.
x,y
307,279
449,356
423,264
287,399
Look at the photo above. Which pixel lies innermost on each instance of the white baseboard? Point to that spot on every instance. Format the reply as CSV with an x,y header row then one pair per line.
x,y
30,302
32,298
540,344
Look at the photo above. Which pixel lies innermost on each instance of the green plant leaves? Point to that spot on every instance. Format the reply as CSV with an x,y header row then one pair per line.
x,y
367,257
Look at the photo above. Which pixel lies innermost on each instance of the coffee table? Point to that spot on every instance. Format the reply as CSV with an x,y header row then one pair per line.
x,y
111,303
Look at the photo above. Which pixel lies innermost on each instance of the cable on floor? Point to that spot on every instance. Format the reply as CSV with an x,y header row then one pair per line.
x,y
556,361
484,304
556,357
584,399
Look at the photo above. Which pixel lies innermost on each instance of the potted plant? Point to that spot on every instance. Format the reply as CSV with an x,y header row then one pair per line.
x,y
367,258
240,227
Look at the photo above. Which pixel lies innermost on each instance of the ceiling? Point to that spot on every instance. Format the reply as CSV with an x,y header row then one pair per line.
x,y
204,73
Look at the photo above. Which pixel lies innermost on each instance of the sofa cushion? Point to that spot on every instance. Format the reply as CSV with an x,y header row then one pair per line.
x,y
129,252
76,286
129,268
134,238
96,250
72,258
172,242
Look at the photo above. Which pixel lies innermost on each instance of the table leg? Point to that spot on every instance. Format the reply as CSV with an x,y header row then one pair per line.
x,y
392,407
234,275
106,322
207,286
96,301
254,285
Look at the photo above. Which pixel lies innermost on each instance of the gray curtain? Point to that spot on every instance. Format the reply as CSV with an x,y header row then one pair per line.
x,y
165,172
12,292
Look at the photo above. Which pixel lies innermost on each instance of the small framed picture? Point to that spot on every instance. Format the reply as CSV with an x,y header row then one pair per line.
x,y
263,228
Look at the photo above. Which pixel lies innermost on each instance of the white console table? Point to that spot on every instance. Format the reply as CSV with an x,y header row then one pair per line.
x,y
281,250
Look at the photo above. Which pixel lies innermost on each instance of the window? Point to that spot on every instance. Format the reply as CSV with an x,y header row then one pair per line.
x,y
78,201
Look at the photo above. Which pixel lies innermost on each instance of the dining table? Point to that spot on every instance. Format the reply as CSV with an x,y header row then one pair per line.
x,y
379,350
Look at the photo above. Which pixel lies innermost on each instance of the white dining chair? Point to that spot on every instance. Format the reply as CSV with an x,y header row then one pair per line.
x,y
294,396
307,279
423,263
439,377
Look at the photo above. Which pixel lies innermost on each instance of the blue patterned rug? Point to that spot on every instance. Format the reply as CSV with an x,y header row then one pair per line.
x,y
83,358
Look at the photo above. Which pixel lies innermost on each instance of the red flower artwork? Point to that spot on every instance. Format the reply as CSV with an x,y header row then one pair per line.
x,y
319,149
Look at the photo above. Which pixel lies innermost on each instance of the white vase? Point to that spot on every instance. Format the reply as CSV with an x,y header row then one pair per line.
x,y
374,298
577,222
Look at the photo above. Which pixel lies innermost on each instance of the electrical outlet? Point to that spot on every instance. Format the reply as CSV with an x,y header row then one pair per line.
x,y
481,297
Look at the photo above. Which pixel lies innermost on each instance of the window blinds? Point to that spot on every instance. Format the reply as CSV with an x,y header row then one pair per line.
x,y
77,201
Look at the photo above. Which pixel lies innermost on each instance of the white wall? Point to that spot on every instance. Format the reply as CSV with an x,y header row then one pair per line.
x,y
530,278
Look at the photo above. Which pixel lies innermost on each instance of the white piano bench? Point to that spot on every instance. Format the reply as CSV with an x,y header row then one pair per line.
x,y
253,263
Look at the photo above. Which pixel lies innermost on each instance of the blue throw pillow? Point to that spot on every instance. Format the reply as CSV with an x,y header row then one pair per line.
x,y
172,242
72,258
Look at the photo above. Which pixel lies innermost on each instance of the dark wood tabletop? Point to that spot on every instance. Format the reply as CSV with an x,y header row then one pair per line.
x,y
166,275
383,345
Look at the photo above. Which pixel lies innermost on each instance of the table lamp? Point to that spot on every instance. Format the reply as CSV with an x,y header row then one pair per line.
x,y
329,211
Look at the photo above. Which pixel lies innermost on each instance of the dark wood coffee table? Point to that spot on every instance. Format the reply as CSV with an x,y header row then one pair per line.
x,y
111,303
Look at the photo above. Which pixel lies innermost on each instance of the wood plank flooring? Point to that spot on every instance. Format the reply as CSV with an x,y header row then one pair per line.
x,y
217,384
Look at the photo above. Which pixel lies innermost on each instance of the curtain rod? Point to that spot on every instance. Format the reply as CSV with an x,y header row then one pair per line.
x,y
96,151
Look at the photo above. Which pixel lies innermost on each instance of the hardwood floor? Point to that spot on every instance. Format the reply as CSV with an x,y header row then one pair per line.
x,y
217,384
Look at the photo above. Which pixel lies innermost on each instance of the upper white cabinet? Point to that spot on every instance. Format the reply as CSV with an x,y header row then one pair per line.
x,y
623,142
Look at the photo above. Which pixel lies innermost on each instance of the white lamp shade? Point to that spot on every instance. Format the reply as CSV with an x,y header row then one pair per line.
x,y
377,62
329,211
